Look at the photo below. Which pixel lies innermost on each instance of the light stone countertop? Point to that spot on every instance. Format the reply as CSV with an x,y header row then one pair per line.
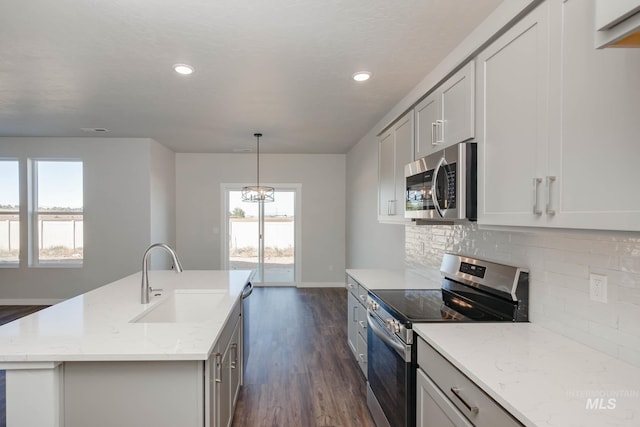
x,y
96,326
540,377
397,279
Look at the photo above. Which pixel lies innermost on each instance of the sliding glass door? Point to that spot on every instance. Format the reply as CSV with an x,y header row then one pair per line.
x,y
262,236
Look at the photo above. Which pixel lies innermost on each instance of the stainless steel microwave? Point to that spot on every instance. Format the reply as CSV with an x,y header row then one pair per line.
x,y
442,187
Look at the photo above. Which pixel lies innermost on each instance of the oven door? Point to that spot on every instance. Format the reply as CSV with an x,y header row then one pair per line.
x,y
391,375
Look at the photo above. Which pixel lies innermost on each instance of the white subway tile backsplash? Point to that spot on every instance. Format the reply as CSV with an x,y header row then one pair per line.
x,y
559,262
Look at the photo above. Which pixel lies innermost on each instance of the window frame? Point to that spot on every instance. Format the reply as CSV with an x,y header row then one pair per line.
x,y
16,263
34,239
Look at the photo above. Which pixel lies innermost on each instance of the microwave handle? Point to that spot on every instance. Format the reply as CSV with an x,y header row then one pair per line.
x,y
434,197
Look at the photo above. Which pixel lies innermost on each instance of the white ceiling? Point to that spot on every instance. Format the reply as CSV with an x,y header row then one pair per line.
x,y
282,67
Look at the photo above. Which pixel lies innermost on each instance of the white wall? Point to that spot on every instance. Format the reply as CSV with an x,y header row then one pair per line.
x,y
369,243
199,213
162,202
117,215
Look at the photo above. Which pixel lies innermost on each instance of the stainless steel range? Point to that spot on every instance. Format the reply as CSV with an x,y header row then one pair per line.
x,y
472,290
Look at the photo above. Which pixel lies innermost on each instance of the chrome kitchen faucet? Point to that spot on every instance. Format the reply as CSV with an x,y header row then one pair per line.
x,y
146,289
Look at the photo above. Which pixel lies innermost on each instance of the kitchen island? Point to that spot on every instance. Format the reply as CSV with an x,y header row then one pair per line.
x,y
103,352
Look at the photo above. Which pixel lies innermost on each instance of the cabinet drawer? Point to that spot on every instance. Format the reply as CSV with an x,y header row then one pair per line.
x,y
475,404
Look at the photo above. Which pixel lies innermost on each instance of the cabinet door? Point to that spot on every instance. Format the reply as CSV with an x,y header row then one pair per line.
x,y
512,82
403,132
236,366
458,119
433,408
427,114
352,322
386,173
595,155
224,387
362,355
395,151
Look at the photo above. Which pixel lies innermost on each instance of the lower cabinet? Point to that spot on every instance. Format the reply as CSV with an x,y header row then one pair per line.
x,y
186,393
357,322
446,397
224,373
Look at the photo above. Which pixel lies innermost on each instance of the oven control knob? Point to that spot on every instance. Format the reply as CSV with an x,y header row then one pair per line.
x,y
396,326
373,305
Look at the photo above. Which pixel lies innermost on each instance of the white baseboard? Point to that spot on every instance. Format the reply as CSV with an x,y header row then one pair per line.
x,y
301,285
321,285
30,301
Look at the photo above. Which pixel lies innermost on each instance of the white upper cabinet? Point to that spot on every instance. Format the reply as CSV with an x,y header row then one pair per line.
x,y
446,116
595,145
512,82
395,150
558,125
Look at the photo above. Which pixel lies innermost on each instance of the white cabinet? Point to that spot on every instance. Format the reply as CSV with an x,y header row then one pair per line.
x,y
357,322
558,127
447,115
447,397
224,375
594,150
169,393
352,322
513,80
395,150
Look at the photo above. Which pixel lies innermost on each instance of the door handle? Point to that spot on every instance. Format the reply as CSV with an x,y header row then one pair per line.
x,y
456,392
434,127
549,180
536,183
234,361
440,125
218,368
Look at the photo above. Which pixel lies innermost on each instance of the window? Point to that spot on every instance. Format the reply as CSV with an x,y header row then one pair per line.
x,y
9,212
58,212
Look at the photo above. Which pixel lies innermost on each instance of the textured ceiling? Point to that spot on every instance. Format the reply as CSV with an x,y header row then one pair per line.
x,y
282,67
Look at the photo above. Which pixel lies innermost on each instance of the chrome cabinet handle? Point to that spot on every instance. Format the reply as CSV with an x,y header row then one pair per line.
x,y
218,368
434,127
363,298
234,362
536,183
362,324
440,124
456,393
361,357
354,313
388,207
549,180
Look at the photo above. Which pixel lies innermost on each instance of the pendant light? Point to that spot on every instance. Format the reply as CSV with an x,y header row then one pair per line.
x,y
257,193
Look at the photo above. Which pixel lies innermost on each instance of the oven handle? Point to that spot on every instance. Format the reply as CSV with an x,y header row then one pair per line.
x,y
384,336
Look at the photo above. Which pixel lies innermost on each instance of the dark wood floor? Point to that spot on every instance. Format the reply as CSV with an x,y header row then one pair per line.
x,y
9,313
300,370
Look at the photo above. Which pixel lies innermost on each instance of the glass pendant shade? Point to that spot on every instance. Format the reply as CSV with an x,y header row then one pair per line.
x,y
258,193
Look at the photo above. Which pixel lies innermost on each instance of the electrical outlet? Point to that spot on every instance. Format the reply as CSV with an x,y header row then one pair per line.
x,y
598,287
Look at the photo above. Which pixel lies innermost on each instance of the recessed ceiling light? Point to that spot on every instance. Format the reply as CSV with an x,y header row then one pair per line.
x,y
183,69
361,76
